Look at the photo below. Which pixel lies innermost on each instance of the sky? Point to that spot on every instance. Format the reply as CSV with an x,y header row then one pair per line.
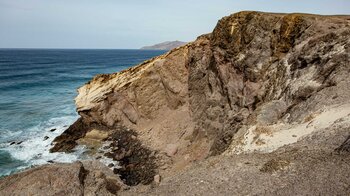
x,y
130,24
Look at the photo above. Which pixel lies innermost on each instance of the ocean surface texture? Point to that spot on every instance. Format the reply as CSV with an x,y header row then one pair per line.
x,y
37,90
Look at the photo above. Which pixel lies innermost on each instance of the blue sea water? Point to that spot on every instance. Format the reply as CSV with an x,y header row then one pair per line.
x,y
37,90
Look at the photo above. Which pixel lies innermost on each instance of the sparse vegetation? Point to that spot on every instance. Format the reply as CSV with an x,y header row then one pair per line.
x,y
309,118
259,130
263,130
312,116
274,165
260,142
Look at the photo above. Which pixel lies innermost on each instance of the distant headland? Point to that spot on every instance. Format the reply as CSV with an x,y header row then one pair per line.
x,y
168,45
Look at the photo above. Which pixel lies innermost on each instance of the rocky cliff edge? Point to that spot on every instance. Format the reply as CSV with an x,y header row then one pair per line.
x,y
258,83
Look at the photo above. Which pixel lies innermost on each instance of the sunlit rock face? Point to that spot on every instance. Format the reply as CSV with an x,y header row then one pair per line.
x,y
254,69
268,93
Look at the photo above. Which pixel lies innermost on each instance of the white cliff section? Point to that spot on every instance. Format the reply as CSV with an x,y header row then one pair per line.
x,y
280,134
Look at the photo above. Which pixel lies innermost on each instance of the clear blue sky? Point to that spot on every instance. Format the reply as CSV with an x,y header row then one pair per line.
x,y
129,23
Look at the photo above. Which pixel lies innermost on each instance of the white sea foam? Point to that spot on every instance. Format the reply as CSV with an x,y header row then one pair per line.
x,y
34,150
105,160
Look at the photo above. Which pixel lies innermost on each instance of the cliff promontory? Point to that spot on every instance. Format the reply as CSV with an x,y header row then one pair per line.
x,y
169,45
268,94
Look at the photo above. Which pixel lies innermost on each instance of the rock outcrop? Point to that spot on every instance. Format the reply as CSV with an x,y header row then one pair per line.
x,y
260,82
253,69
87,178
309,166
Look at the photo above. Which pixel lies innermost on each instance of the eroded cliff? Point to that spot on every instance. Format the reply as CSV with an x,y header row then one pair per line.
x,y
258,82
213,86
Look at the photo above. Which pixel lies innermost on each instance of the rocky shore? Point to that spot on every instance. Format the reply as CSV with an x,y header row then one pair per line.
x,y
259,106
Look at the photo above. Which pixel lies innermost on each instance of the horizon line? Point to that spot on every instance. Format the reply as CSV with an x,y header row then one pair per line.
x,y
76,49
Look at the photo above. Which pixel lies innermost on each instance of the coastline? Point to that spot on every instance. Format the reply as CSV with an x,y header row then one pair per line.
x,y
37,102
246,106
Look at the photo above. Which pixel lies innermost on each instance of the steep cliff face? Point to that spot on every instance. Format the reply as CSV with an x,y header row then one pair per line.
x,y
269,93
256,75
256,68
153,95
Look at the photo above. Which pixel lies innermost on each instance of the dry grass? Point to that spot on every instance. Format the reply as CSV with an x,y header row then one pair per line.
x,y
309,118
260,142
263,130
274,165
259,130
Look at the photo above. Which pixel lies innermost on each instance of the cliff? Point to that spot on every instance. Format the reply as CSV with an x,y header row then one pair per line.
x,y
169,45
263,92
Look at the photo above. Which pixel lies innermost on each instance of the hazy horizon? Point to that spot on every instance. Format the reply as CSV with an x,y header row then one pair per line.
x,y
114,24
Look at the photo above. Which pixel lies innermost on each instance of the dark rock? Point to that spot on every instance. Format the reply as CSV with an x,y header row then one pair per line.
x,y
12,143
20,142
345,147
106,147
112,186
111,165
67,140
52,130
109,154
46,137
137,166
119,156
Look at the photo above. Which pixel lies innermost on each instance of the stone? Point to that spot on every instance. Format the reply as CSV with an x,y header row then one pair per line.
x,y
66,142
119,156
171,149
157,178
52,130
271,112
106,147
96,134
345,146
46,137
111,165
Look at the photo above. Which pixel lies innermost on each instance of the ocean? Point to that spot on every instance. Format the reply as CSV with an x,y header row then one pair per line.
x,y
37,90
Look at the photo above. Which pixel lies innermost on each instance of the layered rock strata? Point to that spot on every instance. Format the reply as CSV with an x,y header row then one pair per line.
x,y
254,69
260,82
